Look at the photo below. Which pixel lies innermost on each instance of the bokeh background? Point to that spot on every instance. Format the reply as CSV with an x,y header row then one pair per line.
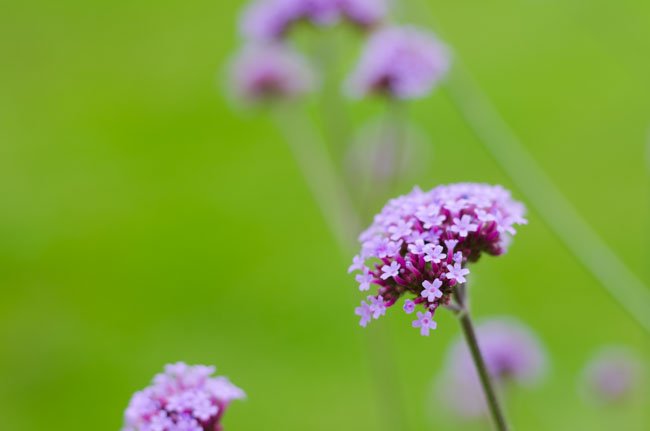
x,y
143,220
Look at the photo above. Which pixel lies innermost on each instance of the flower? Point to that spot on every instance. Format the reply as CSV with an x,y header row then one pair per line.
x,y
365,312
420,244
512,353
425,322
400,62
364,280
270,71
612,375
272,19
431,290
183,398
409,306
365,13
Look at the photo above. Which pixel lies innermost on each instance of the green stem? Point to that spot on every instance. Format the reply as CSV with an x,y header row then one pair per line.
x,y
484,376
486,382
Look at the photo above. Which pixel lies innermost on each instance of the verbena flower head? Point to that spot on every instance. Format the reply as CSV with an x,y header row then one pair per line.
x,y
273,19
512,353
183,398
612,375
420,244
270,71
400,62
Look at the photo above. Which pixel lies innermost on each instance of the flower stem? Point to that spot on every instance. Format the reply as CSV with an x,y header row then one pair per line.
x,y
486,382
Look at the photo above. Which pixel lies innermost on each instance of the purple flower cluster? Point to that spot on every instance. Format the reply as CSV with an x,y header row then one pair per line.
x,y
183,398
512,353
269,71
420,244
272,19
401,62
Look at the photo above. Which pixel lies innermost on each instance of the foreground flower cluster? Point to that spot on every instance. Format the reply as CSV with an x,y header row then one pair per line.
x,y
183,398
420,245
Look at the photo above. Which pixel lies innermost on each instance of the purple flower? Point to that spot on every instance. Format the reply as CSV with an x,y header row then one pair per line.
x,y
365,13
365,312
377,306
183,398
425,322
389,271
612,375
433,253
409,306
270,71
433,245
401,62
512,353
463,226
364,280
272,19
357,264
456,273
431,290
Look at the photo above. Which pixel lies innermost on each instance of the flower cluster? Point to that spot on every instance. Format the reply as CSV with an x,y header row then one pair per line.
x,y
272,19
269,71
512,353
420,244
612,375
401,62
183,398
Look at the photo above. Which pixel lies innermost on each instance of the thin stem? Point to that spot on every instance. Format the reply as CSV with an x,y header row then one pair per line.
x,y
460,295
486,382
320,173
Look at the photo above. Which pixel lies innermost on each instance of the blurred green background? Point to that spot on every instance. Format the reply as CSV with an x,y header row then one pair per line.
x,y
143,220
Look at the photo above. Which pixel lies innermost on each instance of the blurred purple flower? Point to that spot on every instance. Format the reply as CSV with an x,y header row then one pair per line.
x,y
183,398
612,375
272,19
409,248
401,62
262,72
512,353
365,13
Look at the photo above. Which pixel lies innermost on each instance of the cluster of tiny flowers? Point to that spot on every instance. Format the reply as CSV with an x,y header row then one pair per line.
x,y
269,71
183,398
401,62
272,19
419,245
512,353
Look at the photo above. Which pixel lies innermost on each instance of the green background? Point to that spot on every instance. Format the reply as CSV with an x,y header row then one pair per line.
x,y
144,220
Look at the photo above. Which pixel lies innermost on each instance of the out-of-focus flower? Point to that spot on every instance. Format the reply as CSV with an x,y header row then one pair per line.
x,y
612,375
420,244
365,13
262,72
183,398
400,62
512,353
272,19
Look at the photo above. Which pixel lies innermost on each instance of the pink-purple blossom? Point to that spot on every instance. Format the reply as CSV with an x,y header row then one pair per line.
x,y
420,244
262,72
425,322
400,62
270,20
183,398
512,353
